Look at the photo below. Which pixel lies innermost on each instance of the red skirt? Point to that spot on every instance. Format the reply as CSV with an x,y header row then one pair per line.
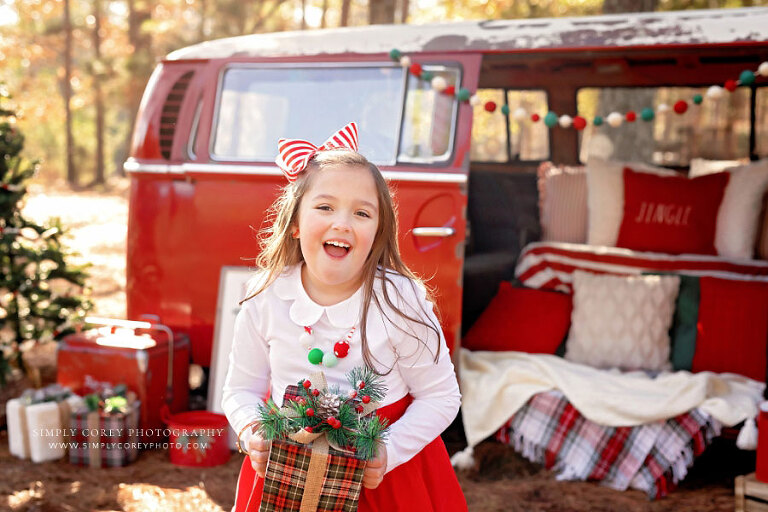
x,y
425,483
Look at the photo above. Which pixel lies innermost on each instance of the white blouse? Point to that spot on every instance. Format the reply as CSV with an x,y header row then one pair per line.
x,y
267,356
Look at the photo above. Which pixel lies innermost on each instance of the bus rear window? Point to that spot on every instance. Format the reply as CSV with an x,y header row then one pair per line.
x,y
717,129
257,105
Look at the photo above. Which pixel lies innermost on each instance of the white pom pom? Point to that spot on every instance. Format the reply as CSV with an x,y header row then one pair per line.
x,y
747,439
475,100
615,119
663,108
565,121
464,459
762,69
405,61
715,92
306,340
520,114
439,83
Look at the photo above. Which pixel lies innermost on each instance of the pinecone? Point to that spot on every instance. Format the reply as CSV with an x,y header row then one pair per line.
x,y
328,405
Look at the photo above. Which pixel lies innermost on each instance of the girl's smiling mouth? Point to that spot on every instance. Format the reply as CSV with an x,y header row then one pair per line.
x,y
336,248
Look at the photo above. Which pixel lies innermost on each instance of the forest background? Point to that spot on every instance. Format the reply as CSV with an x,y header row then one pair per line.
x,y
77,68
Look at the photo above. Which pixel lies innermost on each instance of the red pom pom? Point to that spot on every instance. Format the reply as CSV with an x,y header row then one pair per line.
x,y
415,69
341,349
315,392
450,90
490,106
535,117
310,412
579,123
630,116
306,384
731,85
366,399
680,107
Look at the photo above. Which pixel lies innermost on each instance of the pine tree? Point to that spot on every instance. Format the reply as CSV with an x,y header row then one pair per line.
x,y
41,296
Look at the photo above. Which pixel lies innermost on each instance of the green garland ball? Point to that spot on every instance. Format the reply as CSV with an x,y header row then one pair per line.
x,y
505,110
395,54
747,77
647,114
597,121
463,94
550,119
315,356
697,99
427,76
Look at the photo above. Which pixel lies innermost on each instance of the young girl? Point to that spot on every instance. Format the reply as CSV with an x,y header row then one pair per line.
x,y
332,279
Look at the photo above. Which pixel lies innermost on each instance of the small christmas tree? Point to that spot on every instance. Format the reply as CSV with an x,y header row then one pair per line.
x,y
41,296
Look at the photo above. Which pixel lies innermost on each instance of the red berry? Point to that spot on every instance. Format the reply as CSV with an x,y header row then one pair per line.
x,y
731,85
308,429
310,412
353,394
680,107
359,408
366,399
306,384
315,392
535,117
299,400
579,123
361,385
631,116
490,106
415,69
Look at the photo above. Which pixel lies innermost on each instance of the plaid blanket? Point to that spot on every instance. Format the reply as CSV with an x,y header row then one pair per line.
x,y
653,457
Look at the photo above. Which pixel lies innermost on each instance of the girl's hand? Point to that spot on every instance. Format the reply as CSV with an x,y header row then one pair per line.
x,y
375,468
258,451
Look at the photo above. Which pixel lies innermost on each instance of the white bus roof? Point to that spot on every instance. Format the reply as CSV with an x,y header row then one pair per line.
x,y
693,27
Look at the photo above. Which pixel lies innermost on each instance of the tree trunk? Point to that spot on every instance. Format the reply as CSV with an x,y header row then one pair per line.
x,y
404,11
201,27
67,92
322,15
381,12
303,14
344,13
98,73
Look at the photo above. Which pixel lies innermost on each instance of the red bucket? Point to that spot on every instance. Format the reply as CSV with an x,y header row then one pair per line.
x,y
197,438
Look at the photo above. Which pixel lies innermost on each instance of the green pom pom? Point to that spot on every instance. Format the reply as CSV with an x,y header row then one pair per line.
x,y
315,356
505,110
330,360
463,94
697,99
747,77
550,119
597,121
427,76
647,114
395,54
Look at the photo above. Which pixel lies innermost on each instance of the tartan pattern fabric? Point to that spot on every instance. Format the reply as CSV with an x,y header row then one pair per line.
x,y
117,450
652,457
287,474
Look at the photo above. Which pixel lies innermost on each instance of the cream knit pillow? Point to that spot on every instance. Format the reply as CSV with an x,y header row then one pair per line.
x,y
621,321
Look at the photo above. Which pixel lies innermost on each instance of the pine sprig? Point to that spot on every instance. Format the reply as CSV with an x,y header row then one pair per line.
x,y
273,422
367,382
371,432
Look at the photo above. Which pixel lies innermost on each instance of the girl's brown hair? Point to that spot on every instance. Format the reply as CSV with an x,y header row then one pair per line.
x,y
280,249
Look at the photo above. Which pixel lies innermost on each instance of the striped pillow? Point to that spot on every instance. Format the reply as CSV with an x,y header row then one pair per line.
x,y
562,203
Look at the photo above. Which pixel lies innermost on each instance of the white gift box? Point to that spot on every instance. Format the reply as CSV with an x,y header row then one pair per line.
x,y
38,431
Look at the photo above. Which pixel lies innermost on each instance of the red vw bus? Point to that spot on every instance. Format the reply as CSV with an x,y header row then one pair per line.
x,y
202,168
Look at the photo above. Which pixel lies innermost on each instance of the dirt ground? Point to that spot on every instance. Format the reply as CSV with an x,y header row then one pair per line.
x,y
501,480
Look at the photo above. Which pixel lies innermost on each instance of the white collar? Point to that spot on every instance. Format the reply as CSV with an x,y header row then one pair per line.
x,y
306,312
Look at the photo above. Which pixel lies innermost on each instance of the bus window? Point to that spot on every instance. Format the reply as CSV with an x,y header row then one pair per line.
x,y
258,105
717,129
761,122
428,122
494,141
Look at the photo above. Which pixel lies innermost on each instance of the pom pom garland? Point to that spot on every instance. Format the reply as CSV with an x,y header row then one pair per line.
x,y
715,92
439,84
615,119
579,123
731,85
505,110
565,121
550,119
405,61
475,100
680,107
746,77
535,118
762,70
519,114
647,114
489,106
630,116
663,108
415,69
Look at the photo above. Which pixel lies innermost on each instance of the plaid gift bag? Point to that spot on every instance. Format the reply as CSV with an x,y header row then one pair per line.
x,y
103,439
310,477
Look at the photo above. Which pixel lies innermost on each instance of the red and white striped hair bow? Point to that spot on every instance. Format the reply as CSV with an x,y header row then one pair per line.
x,y
294,154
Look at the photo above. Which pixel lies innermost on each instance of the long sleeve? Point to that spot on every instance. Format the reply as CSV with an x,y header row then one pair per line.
x,y
248,376
433,385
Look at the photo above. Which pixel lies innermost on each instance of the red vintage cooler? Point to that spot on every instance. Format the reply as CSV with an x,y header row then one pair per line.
x,y
137,358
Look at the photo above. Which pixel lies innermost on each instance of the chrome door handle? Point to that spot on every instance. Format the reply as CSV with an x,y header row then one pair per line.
x,y
434,231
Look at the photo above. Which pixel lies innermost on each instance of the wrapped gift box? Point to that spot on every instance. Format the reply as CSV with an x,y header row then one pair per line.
x,y
103,438
38,423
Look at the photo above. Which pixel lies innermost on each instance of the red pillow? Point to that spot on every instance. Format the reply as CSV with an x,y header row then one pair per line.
x,y
521,319
732,327
671,214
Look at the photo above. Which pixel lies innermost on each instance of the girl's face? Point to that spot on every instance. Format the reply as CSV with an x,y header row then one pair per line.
x,y
337,221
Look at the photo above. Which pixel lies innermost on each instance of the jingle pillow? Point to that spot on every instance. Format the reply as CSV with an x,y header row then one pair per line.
x,y
671,214
605,197
621,321
521,319
562,203
739,217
